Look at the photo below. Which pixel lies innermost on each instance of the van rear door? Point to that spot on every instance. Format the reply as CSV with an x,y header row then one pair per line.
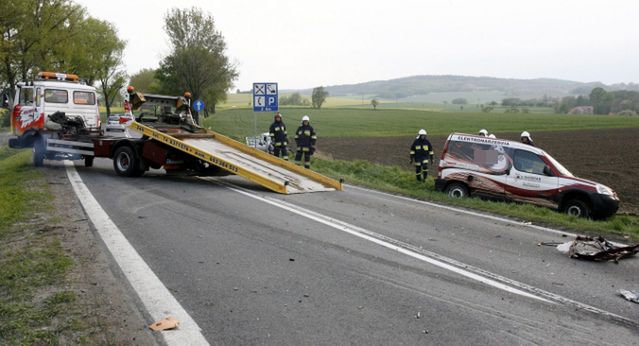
x,y
531,180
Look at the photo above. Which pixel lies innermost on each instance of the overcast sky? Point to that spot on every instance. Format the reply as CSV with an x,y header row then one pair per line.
x,y
302,43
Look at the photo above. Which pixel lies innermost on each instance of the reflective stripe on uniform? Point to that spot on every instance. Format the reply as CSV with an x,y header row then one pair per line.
x,y
305,149
412,152
431,153
278,144
418,163
314,137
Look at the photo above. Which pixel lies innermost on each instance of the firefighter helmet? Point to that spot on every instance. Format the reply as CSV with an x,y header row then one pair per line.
x,y
483,132
525,134
422,132
306,118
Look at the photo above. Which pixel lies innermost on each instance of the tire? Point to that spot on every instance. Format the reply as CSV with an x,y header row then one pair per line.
x,y
39,151
577,207
126,162
88,161
457,190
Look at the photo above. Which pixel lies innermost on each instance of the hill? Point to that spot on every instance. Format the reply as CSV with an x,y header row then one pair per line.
x,y
445,87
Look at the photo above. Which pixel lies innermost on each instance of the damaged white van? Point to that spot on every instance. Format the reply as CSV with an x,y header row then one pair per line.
x,y
507,170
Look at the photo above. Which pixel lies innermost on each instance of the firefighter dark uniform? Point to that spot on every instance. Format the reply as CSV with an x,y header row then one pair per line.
x,y
278,134
305,139
420,153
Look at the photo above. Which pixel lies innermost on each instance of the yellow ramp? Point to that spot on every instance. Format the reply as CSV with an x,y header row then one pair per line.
x,y
237,158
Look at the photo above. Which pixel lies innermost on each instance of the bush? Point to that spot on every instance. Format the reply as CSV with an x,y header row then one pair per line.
x,y
5,119
629,112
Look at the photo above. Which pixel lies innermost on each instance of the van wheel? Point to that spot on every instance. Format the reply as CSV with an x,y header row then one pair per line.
x,y
457,190
577,207
39,151
88,161
126,163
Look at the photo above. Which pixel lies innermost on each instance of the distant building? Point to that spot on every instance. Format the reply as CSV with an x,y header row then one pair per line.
x,y
582,110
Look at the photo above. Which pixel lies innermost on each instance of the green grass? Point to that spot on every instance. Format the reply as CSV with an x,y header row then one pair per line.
x,y
33,305
399,181
349,122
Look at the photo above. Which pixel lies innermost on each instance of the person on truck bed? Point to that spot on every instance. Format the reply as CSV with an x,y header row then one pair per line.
x,y
305,139
526,139
278,134
420,152
483,133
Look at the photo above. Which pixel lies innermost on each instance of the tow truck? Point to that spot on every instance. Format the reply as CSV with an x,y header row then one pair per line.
x,y
163,136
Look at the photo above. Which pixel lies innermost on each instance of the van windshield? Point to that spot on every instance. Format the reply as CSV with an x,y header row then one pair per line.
x,y
559,166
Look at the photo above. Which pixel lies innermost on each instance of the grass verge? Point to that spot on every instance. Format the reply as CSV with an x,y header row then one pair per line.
x,y
34,305
402,182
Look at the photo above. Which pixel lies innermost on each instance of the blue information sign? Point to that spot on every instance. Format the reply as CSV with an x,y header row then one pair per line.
x,y
198,105
265,97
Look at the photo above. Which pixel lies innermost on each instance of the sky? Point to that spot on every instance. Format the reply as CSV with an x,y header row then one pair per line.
x,y
304,44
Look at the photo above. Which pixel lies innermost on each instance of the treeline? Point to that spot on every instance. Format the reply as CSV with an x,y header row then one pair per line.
x,y
59,35
623,102
295,99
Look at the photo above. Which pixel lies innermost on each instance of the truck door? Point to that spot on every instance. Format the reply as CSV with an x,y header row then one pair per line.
x,y
23,114
531,180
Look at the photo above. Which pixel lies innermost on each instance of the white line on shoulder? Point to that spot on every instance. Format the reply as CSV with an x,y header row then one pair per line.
x,y
157,299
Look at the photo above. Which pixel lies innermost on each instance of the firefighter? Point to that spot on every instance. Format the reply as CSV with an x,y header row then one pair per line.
x,y
526,139
483,133
420,152
305,139
279,138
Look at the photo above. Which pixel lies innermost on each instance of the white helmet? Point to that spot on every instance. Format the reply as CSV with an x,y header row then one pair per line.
x,y
306,118
492,136
525,134
483,132
422,132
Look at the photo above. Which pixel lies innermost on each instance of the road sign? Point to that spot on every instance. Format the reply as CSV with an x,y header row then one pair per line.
x,y
265,97
198,105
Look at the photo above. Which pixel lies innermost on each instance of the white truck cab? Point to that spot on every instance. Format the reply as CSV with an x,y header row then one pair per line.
x,y
51,92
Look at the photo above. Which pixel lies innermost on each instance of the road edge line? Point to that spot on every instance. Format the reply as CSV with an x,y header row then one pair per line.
x,y
155,297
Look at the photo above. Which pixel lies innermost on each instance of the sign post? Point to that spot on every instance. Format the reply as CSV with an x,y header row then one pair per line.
x,y
265,99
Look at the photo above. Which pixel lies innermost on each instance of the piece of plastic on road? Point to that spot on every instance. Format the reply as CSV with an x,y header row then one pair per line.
x,y
632,296
564,248
167,323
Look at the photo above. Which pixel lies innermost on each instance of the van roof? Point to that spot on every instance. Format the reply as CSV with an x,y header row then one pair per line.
x,y
464,137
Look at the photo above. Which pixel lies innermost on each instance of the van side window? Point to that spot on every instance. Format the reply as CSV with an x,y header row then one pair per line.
x,y
56,96
525,161
83,98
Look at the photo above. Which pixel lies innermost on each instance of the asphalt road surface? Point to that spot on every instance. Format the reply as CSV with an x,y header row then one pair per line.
x,y
359,267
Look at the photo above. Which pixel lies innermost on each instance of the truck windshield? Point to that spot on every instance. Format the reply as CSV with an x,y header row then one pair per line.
x,y
559,166
56,96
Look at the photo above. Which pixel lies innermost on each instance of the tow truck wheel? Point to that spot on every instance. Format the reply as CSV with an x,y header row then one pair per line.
x,y
88,161
577,207
39,152
126,162
457,190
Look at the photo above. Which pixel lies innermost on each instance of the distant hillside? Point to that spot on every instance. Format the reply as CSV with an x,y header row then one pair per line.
x,y
434,88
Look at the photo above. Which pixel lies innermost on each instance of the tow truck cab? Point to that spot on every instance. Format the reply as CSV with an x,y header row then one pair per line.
x,y
49,93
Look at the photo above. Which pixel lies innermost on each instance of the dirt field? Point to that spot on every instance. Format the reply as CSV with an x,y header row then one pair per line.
x,y
610,157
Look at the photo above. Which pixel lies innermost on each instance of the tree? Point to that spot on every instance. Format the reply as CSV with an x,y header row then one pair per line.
x,y
197,62
109,71
374,103
145,81
34,34
319,97
459,101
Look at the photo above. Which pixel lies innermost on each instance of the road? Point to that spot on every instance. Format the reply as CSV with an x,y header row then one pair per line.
x,y
359,267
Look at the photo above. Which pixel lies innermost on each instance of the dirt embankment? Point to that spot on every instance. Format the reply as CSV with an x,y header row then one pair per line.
x,y
610,157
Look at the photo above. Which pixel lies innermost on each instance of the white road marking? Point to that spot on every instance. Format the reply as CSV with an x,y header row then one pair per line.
x,y
473,213
443,262
157,299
